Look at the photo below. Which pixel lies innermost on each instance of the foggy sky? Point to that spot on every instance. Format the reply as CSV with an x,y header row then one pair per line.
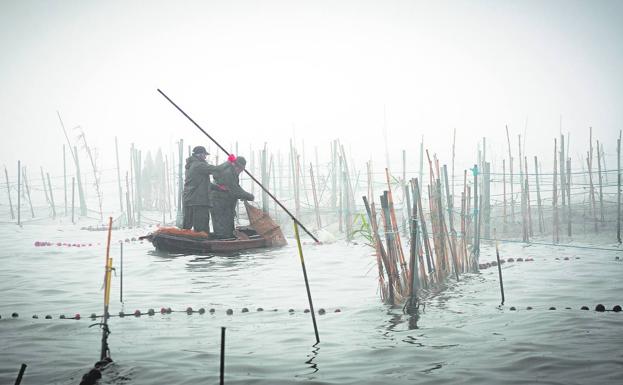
x,y
265,71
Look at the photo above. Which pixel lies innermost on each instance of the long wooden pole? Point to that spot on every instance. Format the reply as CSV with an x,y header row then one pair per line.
x,y
245,170
309,297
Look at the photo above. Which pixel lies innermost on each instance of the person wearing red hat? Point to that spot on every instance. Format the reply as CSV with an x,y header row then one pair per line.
x,y
226,192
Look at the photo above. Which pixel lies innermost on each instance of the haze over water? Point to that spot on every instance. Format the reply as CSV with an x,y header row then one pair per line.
x,y
380,77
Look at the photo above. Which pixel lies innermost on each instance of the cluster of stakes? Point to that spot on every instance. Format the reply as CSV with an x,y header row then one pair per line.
x,y
168,310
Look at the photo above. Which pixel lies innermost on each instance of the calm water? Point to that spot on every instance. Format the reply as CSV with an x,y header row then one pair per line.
x,y
461,336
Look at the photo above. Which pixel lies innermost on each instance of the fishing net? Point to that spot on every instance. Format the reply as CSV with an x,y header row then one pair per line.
x,y
182,232
265,225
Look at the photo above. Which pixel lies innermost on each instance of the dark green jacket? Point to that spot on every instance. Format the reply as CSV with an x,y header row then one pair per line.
x,y
197,182
226,179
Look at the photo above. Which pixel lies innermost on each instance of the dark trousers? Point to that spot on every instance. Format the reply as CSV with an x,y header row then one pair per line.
x,y
197,218
223,212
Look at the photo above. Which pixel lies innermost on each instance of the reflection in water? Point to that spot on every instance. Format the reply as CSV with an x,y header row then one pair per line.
x,y
312,356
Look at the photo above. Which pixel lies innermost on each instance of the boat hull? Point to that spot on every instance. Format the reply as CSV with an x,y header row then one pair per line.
x,y
185,245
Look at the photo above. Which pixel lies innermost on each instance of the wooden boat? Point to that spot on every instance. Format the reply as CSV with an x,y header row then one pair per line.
x,y
262,232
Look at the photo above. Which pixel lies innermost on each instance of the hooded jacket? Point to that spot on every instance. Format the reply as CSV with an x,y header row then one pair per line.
x,y
197,182
226,180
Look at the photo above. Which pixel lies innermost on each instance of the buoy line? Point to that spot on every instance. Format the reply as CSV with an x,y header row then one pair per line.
x,y
168,310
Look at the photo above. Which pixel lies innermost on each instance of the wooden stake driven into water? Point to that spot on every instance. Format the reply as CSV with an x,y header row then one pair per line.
x,y
222,367
8,189
19,193
105,352
619,188
51,196
27,189
245,170
497,255
22,369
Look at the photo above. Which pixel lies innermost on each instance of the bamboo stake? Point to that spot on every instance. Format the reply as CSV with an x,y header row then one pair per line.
x,y
51,197
311,304
405,208
27,188
180,184
64,179
222,367
118,176
497,256
555,232
340,196
569,197
453,157
381,255
422,274
45,188
449,201
19,187
504,194
316,208
463,252
429,257
411,305
538,197
167,182
619,188
510,168
521,178
528,198
265,180
8,189
22,369
562,172
421,177
73,193
592,191
476,244
394,279
128,201
105,351
601,193
486,183
390,201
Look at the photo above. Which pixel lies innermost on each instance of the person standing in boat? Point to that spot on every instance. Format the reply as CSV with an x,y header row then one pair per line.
x,y
196,195
226,191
